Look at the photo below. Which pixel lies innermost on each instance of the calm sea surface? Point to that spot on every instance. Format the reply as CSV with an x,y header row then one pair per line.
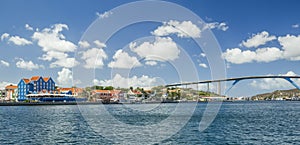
x,y
236,123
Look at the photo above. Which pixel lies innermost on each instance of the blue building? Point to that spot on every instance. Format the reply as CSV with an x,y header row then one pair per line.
x,y
35,85
24,88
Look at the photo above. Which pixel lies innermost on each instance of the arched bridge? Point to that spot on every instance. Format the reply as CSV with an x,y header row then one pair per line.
x,y
236,80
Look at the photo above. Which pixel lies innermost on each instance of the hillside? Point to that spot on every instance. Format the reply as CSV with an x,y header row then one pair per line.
x,y
277,95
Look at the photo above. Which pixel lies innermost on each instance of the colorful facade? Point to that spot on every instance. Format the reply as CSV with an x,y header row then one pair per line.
x,y
106,95
35,85
11,92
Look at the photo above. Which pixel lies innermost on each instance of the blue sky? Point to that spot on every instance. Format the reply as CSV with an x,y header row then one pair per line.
x,y
255,37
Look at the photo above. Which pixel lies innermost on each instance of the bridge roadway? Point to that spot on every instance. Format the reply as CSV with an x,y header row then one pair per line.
x,y
231,79
236,80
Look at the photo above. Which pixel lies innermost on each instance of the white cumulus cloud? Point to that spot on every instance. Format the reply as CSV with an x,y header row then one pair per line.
x,y
274,83
124,61
151,63
203,65
162,49
184,29
290,46
51,39
4,63
216,25
258,39
28,27
94,58
55,46
65,77
126,82
100,44
202,54
17,40
84,44
104,15
237,56
4,36
28,65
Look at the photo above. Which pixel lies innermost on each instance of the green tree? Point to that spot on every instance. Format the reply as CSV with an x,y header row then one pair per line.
x,y
109,88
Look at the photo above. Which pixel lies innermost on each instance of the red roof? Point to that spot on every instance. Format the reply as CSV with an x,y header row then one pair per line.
x,y
108,91
46,79
11,87
137,92
35,78
77,90
26,81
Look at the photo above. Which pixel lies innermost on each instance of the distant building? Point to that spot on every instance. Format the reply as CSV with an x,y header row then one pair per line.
x,y
133,96
70,91
11,92
35,85
107,95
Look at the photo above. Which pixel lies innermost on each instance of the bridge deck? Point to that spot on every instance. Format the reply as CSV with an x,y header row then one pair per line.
x,y
231,79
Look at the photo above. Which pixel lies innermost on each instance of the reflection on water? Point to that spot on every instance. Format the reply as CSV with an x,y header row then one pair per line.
x,y
236,123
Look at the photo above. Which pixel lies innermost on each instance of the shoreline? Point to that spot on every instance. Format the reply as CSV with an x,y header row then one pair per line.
x,y
97,103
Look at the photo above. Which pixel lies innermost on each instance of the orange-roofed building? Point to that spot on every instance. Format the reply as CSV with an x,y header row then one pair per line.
x,y
35,85
70,91
11,92
107,94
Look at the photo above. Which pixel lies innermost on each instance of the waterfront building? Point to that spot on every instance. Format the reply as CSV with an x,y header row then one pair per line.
x,y
107,95
49,84
35,85
2,93
70,91
10,92
133,96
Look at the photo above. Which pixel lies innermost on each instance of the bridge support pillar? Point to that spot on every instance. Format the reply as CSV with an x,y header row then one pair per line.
x,y
219,88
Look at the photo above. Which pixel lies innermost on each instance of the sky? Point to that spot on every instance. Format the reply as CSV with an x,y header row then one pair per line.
x,y
82,43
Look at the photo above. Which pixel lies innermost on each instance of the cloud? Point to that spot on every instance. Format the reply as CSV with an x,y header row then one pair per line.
x,y
84,44
124,61
51,39
67,62
273,83
162,49
104,15
151,63
123,82
290,46
295,26
203,65
17,40
237,56
290,50
50,55
216,25
184,29
94,58
55,46
202,54
28,27
258,39
4,63
60,59
4,36
65,77
100,44
28,65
